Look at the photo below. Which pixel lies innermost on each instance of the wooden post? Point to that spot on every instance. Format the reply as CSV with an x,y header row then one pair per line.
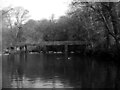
x,y
66,52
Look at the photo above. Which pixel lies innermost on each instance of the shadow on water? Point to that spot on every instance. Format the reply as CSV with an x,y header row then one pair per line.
x,y
58,71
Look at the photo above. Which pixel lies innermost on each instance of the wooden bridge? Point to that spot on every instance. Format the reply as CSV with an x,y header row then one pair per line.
x,y
51,43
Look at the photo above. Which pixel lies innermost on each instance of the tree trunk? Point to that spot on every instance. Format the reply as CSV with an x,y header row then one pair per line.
x,y
114,20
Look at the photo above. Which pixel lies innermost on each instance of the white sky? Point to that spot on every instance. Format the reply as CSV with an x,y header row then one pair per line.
x,y
39,9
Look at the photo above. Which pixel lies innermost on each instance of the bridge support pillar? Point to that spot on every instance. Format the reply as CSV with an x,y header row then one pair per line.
x,y
66,48
66,52
20,48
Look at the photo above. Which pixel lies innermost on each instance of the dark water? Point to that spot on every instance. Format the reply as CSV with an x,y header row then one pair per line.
x,y
58,71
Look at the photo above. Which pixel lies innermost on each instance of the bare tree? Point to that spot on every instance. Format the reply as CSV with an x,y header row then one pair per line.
x,y
20,16
12,22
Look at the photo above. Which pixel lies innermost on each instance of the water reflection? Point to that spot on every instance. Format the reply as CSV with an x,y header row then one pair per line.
x,y
57,71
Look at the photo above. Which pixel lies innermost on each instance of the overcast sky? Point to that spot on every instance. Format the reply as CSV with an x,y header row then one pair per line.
x,y
40,9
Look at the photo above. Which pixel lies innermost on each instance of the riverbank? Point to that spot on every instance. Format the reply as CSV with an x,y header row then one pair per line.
x,y
112,53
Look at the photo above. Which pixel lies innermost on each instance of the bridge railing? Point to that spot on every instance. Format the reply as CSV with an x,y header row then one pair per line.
x,y
55,43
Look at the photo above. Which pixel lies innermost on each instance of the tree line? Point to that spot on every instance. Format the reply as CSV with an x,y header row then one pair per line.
x,y
95,22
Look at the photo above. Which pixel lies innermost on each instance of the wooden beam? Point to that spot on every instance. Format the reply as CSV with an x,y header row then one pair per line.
x,y
54,43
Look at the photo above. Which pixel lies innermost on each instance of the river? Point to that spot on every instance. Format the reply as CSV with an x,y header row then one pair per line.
x,y
58,71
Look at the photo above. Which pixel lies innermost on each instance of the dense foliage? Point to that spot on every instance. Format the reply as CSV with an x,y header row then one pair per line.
x,y
95,22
